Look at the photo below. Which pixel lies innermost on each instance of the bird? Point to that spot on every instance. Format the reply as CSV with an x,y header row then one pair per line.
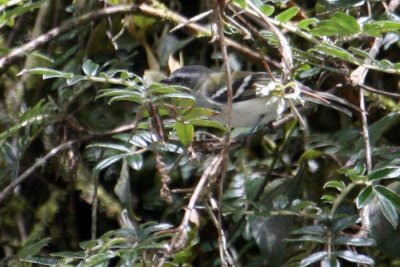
x,y
257,97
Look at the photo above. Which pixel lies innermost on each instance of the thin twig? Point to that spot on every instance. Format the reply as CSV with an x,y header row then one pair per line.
x,y
287,58
180,241
192,20
379,92
94,207
357,77
221,236
68,25
219,6
40,162
155,10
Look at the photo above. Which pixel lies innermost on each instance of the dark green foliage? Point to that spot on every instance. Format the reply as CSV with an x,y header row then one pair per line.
x,y
104,165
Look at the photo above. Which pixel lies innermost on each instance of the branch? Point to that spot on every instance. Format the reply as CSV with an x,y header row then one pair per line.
x,y
156,10
39,163
357,78
180,241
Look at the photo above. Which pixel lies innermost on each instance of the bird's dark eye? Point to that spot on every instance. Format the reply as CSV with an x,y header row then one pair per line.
x,y
177,80
289,90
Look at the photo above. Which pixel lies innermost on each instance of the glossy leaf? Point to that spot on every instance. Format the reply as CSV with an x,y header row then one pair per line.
x,y
47,73
388,172
208,123
387,207
340,24
343,223
185,132
75,79
390,195
107,162
306,23
241,3
354,241
268,10
365,197
33,248
90,68
377,28
121,95
178,99
380,127
135,161
338,185
117,147
196,113
318,256
288,14
335,51
312,229
354,257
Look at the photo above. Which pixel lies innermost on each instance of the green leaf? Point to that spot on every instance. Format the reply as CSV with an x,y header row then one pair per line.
x,y
325,28
122,188
268,10
329,198
144,22
354,241
365,197
117,147
354,257
384,63
157,88
343,223
98,258
348,24
10,15
390,195
318,256
311,230
388,172
90,68
308,238
338,185
309,72
178,99
75,79
359,169
55,261
377,28
208,123
340,24
121,95
360,53
389,202
32,119
138,140
196,113
241,3
47,73
185,132
305,23
33,248
288,14
378,128
310,154
335,51
135,161
107,162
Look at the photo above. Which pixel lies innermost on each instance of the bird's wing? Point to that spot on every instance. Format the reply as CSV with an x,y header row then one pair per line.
x,y
244,86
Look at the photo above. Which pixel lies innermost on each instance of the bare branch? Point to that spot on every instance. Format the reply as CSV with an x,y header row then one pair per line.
x,y
6,191
156,10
